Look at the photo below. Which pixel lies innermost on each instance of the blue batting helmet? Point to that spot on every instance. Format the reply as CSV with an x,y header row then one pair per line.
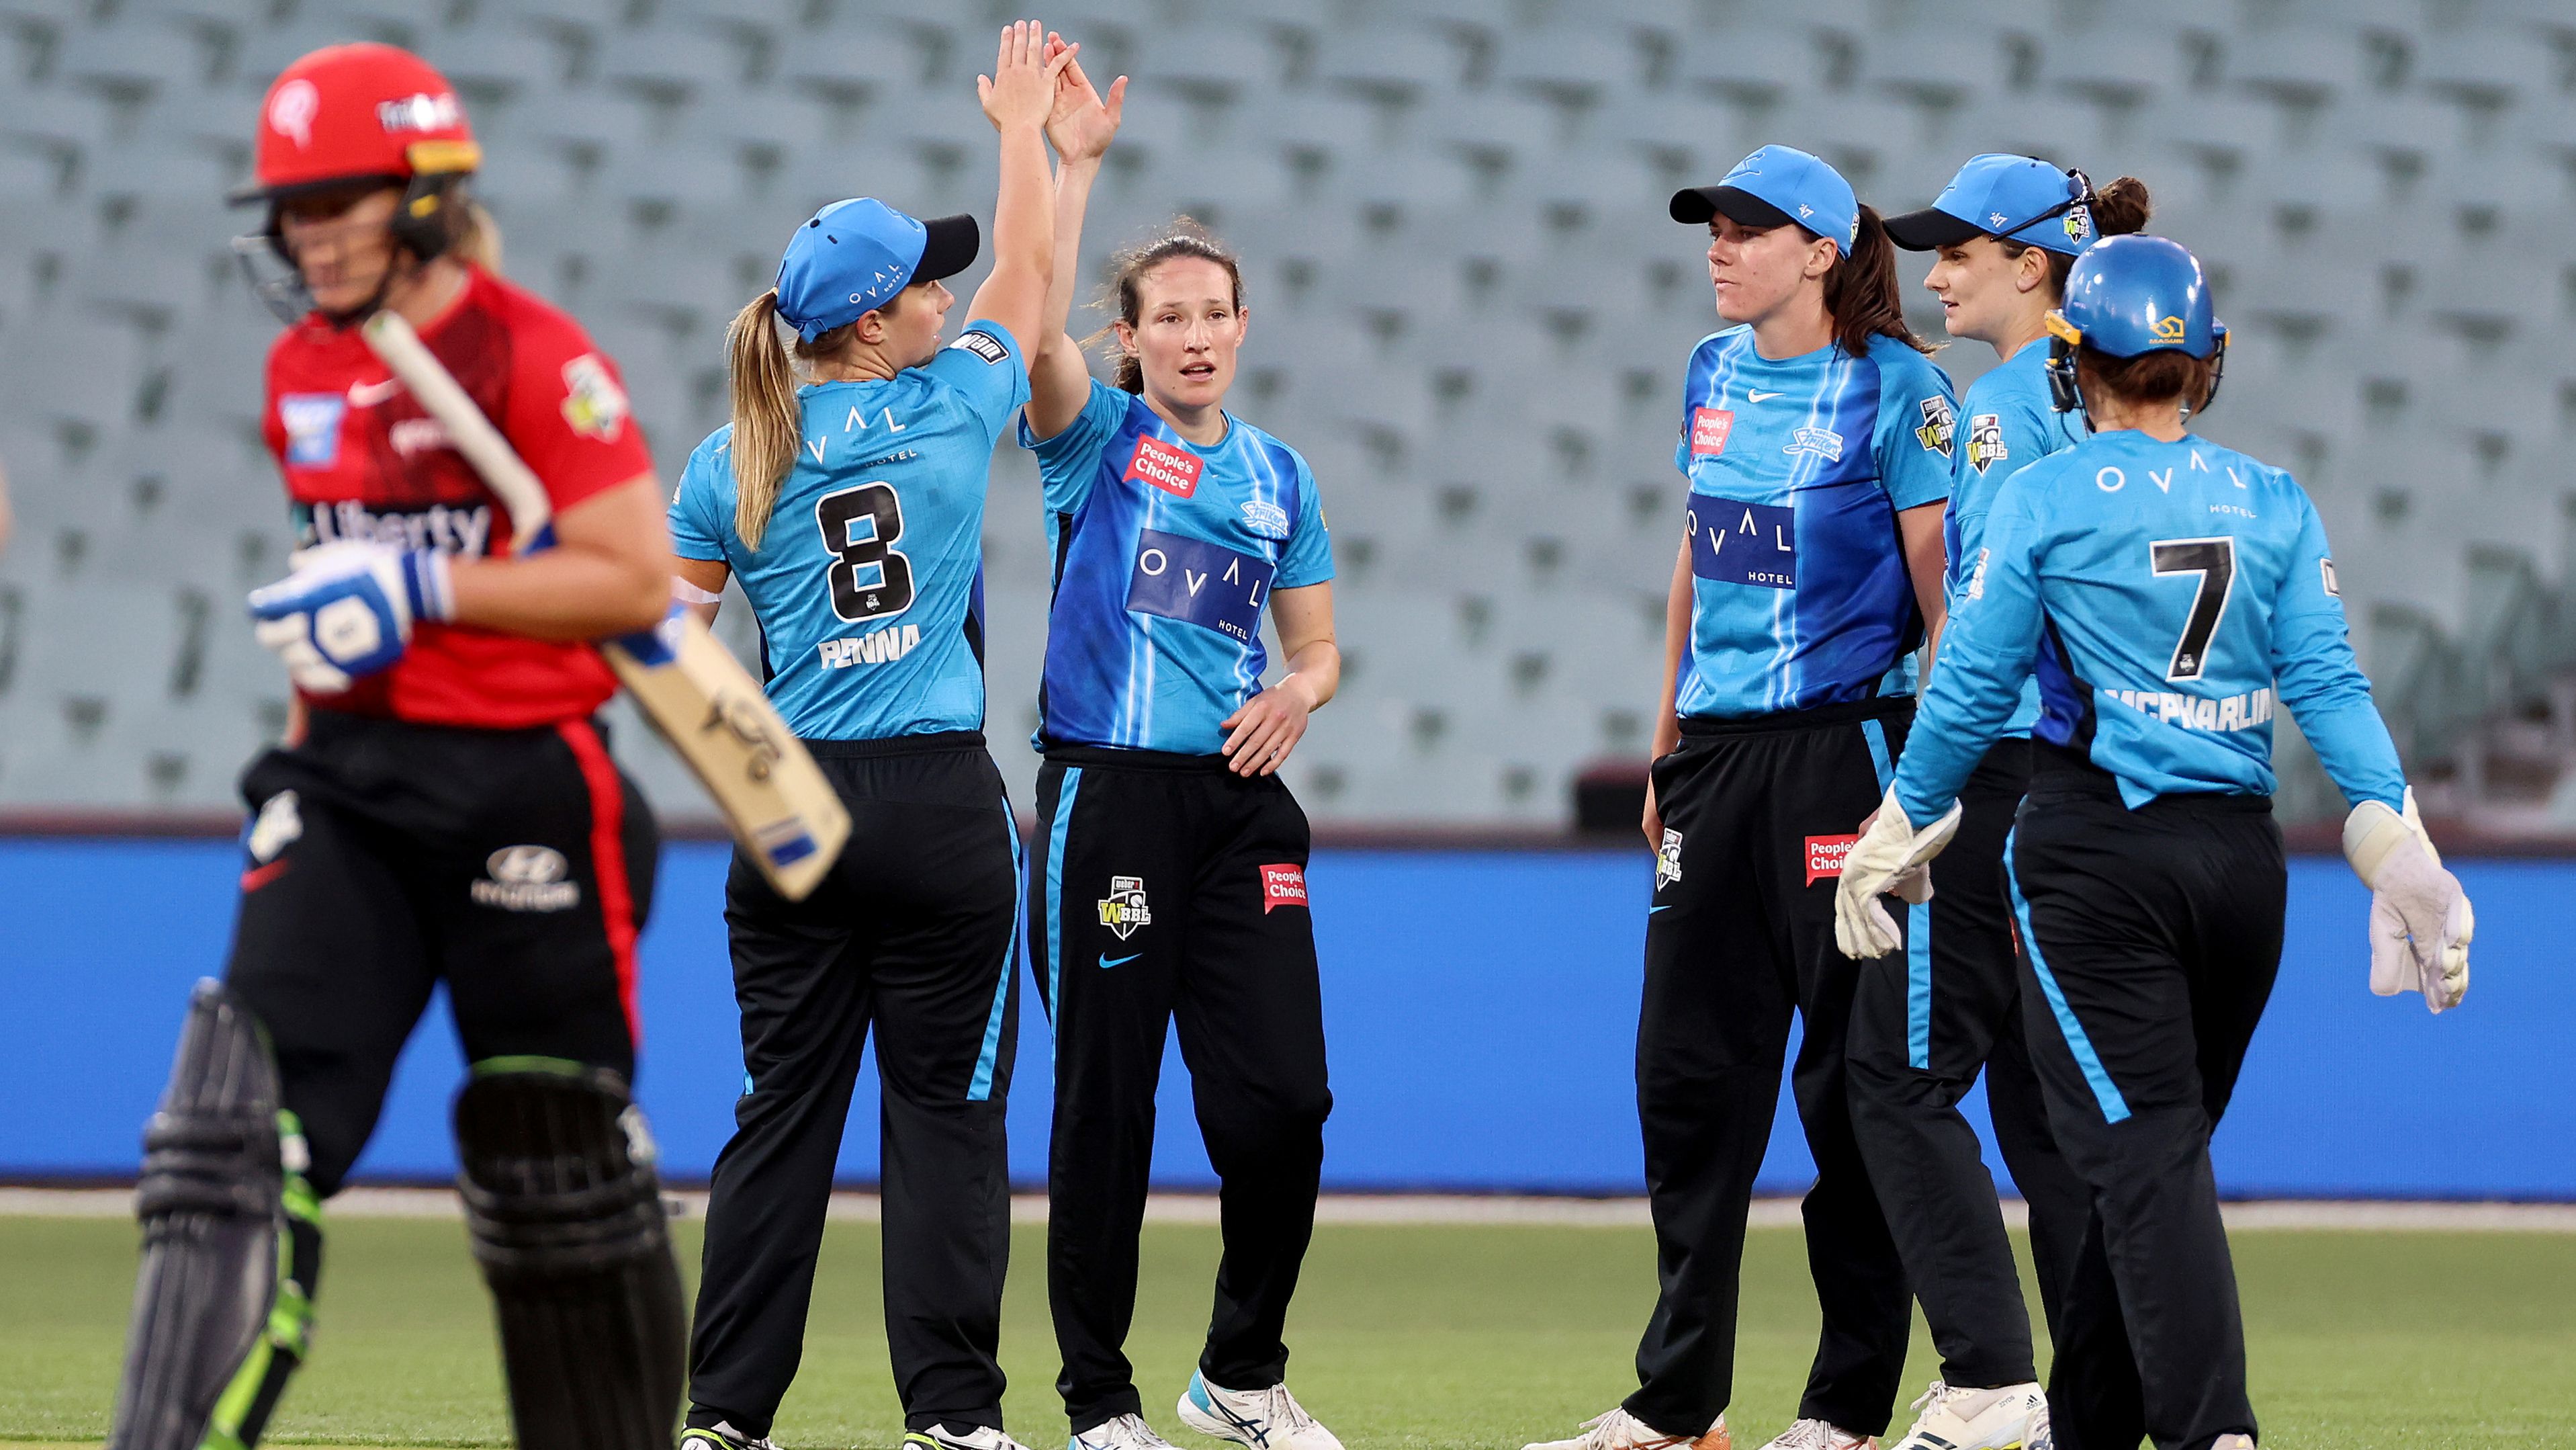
x,y
2130,295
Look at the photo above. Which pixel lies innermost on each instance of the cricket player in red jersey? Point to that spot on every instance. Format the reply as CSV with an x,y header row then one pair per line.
x,y
444,809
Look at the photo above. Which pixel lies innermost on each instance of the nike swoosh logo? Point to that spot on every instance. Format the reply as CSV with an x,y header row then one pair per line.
x,y
1651,910
367,395
1749,394
1107,962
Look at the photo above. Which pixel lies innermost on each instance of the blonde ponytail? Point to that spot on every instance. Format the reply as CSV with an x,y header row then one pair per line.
x,y
478,236
765,416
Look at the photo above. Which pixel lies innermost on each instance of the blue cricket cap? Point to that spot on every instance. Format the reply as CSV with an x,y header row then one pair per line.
x,y
854,256
1998,195
1778,186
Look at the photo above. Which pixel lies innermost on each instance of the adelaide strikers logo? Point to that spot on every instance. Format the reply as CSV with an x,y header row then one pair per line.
x,y
1123,910
1668,860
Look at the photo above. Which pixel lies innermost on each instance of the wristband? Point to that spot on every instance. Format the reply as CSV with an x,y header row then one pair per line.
x,y
688,593
431,583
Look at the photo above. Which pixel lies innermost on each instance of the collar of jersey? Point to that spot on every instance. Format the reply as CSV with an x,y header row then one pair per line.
x,y
1164,429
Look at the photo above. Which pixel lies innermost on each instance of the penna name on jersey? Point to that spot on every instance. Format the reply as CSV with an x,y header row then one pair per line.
x,y
877,647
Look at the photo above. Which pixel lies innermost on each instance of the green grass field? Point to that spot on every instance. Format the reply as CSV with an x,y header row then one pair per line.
x,y
1417,1336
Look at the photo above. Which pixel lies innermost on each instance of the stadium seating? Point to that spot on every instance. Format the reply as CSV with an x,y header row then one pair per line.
x,y
1471,315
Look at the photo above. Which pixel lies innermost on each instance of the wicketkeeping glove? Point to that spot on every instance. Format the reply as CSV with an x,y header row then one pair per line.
x,y
347,610
2420,919
1891,856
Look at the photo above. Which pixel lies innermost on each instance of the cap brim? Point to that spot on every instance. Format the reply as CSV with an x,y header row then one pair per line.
x,y
1695,206
950,247
1930,229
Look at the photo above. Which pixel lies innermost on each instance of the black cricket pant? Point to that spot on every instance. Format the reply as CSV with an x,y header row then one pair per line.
x,y
2154,936
1740,937
914,934
1925,1022
1166,889
384,858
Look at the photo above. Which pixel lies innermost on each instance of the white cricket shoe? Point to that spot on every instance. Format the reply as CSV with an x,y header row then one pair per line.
x,y
1616,1429
1958,1418
974,1437
1820,1435
721,1436
1268,1419
1127,1432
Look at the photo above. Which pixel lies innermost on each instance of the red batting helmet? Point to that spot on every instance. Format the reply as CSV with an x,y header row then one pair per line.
x,y
355,113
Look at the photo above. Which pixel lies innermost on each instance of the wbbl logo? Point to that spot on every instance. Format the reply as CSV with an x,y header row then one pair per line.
x,y
1123,910
1668,860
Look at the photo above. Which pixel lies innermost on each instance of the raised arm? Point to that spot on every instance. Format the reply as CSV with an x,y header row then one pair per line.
x,y
1080,127
1016,97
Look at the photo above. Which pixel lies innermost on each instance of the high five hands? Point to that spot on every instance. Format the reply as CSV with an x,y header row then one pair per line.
x,y
1081,123
1021,90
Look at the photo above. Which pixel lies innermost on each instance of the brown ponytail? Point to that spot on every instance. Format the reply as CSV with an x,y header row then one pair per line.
x,y
2150,377
477,237
2118,209
1861,291
1123,296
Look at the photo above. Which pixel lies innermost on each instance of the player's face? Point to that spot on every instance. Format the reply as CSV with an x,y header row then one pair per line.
x,y
1982,290
1756,270
342,242
914,323
1187,331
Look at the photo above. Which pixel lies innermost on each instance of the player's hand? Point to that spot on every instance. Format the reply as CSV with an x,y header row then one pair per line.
x,y
1080,124
2420,919
1890,856
1267,727
347,610
1021,89
1654,817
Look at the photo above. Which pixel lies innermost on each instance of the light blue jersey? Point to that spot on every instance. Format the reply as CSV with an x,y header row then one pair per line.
x,y
1800,595
2010,425
2169,597
869,581
1166,555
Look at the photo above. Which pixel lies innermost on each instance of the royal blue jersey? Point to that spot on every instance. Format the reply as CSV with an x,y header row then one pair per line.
x,y
2010,425
869,581
1166,554
2169,597
1797,468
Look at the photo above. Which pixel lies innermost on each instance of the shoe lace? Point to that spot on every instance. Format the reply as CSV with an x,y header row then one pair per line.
x,y
1616,1429
1281,1409
1815,1435
1932,1396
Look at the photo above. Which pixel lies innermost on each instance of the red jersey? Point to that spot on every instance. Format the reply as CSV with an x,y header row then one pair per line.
x,y
362,460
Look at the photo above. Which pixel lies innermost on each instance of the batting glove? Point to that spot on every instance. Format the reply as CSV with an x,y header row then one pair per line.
x,y
2420,919
347,610
1891,856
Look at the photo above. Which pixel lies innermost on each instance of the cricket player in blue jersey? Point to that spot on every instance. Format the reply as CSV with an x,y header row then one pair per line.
x,y
1817,440
2169,595
1925,1022
1168,877
847,499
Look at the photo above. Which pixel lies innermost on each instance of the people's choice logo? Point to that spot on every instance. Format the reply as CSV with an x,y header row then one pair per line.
x,y
290,112
1282,885
1173,470
1825,856
1710,428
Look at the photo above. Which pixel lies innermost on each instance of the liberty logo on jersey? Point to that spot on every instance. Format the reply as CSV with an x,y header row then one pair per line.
x,y
1733,542
1178,577
1173,470
1123,910
1709,430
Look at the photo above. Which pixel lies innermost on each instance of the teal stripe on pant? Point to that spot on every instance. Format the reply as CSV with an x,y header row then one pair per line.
x,y
981,1089
1918,927
2115,1108
1056,832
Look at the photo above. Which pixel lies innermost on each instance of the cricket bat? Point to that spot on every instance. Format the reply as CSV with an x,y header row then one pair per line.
x,y
786,816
